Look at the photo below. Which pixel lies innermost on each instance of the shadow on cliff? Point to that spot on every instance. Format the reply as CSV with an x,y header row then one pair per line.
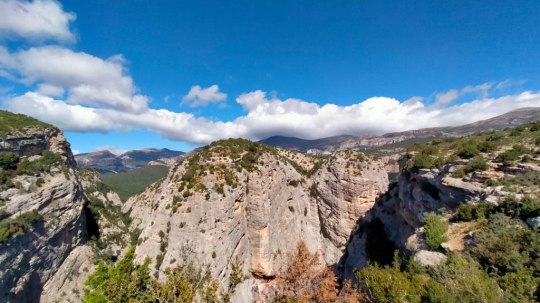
x,y
370,240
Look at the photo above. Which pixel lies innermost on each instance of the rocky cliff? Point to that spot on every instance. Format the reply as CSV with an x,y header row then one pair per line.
x,y
240,200
41,205
442,176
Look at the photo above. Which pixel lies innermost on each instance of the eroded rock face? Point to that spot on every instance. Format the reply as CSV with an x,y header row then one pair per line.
x,y
28,259
259,215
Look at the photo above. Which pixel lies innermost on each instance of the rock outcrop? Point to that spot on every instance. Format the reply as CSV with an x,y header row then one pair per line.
x,y
241,200
43,213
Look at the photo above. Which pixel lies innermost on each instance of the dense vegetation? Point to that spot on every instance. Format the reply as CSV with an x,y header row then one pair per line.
x,y
134,182
127,281
12,122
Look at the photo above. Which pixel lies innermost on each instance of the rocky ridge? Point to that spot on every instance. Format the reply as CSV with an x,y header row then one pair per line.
x,y
240,200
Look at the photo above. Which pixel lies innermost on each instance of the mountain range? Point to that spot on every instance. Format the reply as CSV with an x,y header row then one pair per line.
x,y
106,162
398,140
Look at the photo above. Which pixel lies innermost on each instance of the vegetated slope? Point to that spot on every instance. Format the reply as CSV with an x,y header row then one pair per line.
x,y
106,162
395,142
134,182
239,200
10,123
464,214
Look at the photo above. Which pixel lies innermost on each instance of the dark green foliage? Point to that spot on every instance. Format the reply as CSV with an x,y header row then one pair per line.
x,y
523,209
5,180
435,229
471,211
487,146
528,179
506,245
134,182
468,149
10,122
8,160
422,161
126,282
42,165
459,173
20,224
509,156
460,280
476,164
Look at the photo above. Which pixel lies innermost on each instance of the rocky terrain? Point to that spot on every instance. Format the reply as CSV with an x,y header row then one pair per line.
x,y
49,210
107,162
395,142
42,207
237,199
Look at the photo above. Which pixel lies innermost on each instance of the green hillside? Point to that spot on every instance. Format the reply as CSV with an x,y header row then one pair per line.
x,y
10,122
134,182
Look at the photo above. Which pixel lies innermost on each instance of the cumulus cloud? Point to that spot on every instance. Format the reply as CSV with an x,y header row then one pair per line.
x,y
38,19
198,96
88,80
271,116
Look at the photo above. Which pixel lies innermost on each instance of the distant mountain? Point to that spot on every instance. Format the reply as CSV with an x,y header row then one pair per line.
x,y
106,162
398,140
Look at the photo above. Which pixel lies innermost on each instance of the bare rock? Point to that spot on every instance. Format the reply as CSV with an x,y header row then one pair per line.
x,y
430,258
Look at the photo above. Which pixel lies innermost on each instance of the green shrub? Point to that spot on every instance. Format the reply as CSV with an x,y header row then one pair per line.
x,y
459,173
422,161
464,281
388,285
42,165
506,245
470,211
8,160
20,224
435,228
487,146
468,150
521,286
476,164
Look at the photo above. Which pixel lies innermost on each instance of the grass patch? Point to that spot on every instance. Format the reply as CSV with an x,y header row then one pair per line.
x,y
10,122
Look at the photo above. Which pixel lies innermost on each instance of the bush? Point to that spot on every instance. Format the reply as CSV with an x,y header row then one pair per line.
x,y
20,224
506,245
470,211
422,161
487,146
476,164
435,228
468,150
459,173
388,285
8,160
44,164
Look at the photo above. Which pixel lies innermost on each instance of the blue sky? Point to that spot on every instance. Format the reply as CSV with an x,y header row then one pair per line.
x,y
303,68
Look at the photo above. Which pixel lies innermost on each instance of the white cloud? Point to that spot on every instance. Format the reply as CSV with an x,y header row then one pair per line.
x,y
198,96
266,117
89,80
38,19
50,90
481,91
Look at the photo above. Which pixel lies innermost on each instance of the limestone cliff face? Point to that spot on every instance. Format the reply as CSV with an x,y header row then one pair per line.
x,y
52,193
243,200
